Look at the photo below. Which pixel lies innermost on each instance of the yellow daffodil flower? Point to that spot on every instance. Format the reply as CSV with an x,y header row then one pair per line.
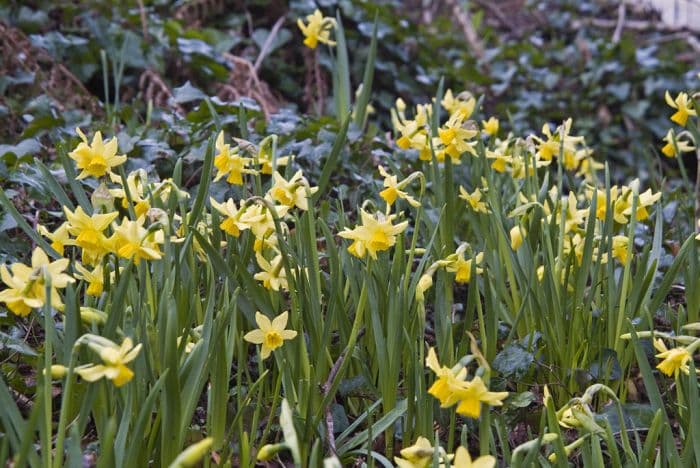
x,y
394,189
455,138
418,455
490,126
114,360
89,232
59,238
97,158
136,182
273,275
673,143
229,162
461,267
26,286
317,30
474,200
132,240
292,192
375,234
517,233
462,105
236,220
683,106
464,460
270,334
673,360
94,279
619,248
472,394
447,382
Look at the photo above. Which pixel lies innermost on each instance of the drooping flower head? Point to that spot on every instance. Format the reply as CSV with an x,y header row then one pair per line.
x,y
317,30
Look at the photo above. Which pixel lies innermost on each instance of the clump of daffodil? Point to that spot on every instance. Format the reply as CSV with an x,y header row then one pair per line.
x,y
270,334
114,360
393,189
292,192
318,29
235,219
452,388
131,240
683,105
96,159
26,285
375,234
456,138
414,133
674,145
88,231
559,142
230,163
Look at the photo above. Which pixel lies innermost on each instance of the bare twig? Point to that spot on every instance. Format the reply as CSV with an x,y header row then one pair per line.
x,y
268,42
463,18
327,388
144,21
621,13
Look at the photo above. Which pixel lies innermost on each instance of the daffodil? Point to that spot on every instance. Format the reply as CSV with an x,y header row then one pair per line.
x,y
136,183
620,245
673,360
26,286
114,360
97,158
462,105
447,382
490,126
375,234
461,267
133,241
236,220
456,138
94,279
559,142
418,455
270,334
516,233
292,192
230,163
317,30
394,189
59,238
674,145
464,460
89,232
475,392
683,105
273,275
474,200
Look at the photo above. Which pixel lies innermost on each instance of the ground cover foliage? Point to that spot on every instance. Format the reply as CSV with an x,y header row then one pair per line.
x,y
342,233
